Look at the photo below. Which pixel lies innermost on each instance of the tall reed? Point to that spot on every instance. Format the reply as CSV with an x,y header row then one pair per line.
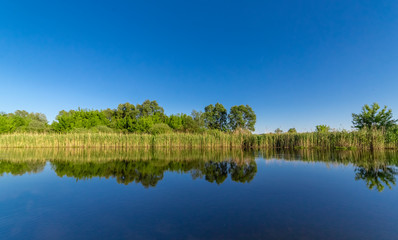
x,y
213,140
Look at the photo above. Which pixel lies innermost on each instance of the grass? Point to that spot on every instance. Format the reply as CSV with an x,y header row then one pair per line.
x,y
213,140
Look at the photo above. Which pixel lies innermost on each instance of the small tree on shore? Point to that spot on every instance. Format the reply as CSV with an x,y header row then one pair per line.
x,y
371,117
242,117
322,128
278,131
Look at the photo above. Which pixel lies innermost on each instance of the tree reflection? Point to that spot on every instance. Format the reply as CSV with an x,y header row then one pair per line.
x,y
378,169
125,172
377,176
243,173
150,172
216,171
21,168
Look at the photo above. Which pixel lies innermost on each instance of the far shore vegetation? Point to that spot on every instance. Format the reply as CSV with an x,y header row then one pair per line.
x,y
146,125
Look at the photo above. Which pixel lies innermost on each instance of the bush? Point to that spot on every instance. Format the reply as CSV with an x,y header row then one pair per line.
x,y
322,128
102,129
160,128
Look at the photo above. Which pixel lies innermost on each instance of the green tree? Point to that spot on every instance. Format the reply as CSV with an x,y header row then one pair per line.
x,y
199,119
144,124
292,130
322,128
6,124
79,119
149,108
176,121
242,117
370,117
124,117
216,117
278,131
22,121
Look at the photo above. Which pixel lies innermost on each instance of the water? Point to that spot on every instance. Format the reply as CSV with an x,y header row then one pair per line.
x,y
158,194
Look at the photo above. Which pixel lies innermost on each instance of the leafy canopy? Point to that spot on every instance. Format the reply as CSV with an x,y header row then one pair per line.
x,y
216,117
278,131
370,117
322,128
242,117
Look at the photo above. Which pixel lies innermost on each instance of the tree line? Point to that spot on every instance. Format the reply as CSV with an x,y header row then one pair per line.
x,y
372,117
147,117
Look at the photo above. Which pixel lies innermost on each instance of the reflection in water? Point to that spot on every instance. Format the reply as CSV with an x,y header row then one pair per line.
x,y
20,167
147,167
149,173
377,168
377,176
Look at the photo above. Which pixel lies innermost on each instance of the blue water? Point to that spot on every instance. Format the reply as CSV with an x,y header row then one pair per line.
x,y
285,199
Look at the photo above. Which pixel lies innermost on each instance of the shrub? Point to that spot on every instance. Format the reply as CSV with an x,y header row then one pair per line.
x,y
160,128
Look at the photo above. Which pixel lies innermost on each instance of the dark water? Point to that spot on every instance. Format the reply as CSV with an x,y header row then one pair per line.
x,y
158,194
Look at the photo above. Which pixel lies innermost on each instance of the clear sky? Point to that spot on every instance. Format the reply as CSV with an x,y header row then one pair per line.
x,y
297,63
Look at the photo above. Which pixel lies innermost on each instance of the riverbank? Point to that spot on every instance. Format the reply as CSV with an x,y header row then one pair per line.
x,y
365,140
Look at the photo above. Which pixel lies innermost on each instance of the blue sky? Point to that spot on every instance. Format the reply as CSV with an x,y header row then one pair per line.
x,y
297,63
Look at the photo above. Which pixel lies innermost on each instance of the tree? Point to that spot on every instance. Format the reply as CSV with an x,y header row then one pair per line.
x,y
149,108
216,117
22,121
242,117
322,128
199,119
371,117
138,118
292,130
79,119
278,131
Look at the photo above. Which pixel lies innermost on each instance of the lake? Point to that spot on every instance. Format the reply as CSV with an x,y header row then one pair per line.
x,y
193,194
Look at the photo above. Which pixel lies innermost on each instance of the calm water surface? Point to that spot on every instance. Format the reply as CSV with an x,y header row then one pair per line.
x,y
159,194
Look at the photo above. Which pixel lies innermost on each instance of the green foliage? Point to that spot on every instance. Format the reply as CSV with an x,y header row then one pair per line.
x,y
292,130
242,117
144,124
22,121
322,128
392,134
370,117
176,122
160,128
149,108
216,117
81,118
278,131
199,118
184,123
131,118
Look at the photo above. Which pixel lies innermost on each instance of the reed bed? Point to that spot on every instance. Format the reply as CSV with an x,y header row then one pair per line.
x,y
218,140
